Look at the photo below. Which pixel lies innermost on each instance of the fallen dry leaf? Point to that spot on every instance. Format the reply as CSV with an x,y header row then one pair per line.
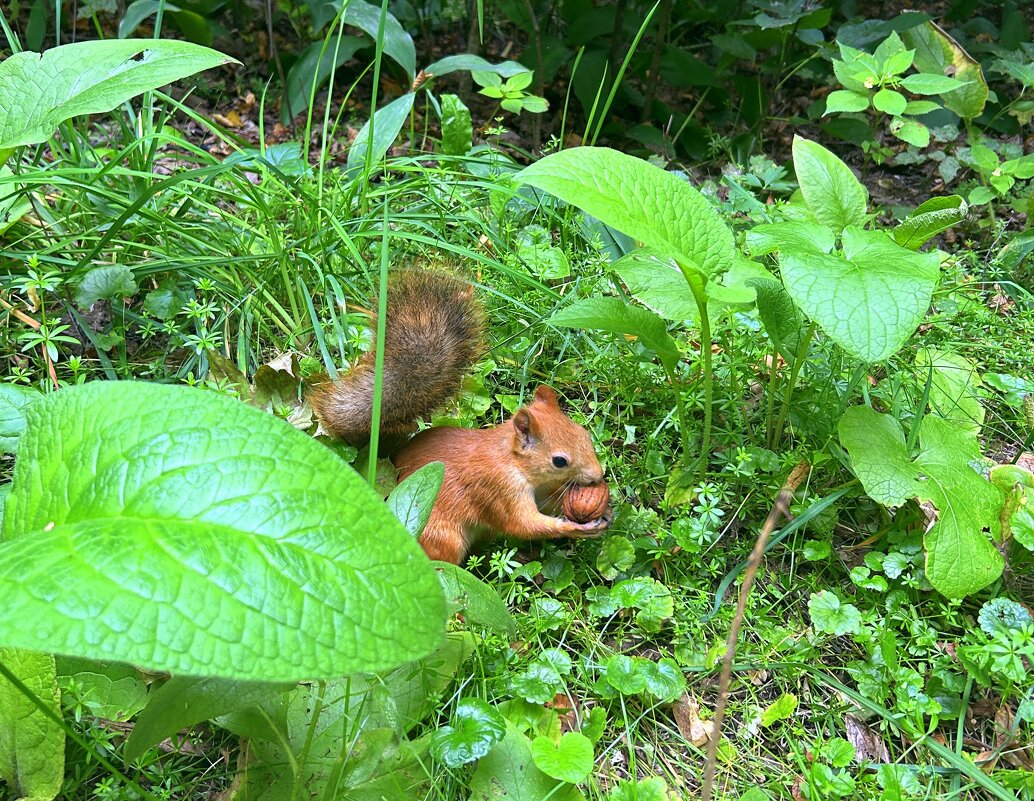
x,y
231,119
868,745
687,717
1000,303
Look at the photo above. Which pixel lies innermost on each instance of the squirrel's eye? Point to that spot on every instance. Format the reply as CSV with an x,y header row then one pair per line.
x,y
559,461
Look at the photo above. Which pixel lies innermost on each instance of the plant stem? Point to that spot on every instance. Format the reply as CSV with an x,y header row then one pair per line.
x,y
770,401
734,380
700,295
378,368
680,407
798,363
851,384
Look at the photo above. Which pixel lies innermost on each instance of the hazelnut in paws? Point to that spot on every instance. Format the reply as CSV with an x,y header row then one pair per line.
x,y
583,503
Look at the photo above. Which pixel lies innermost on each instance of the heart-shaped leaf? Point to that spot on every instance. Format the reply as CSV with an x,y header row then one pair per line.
x,y
509,773
869,300
664,679
570,759
183,531
625,673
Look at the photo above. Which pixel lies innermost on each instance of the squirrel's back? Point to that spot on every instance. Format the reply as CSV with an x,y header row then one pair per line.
x,y
433,335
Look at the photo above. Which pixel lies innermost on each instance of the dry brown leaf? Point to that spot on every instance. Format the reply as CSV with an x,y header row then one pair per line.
x,y
231,119
868,745
1026,461
687,717
1000,303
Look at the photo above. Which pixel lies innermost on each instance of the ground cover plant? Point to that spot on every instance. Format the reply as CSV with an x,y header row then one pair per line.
x,y
775,258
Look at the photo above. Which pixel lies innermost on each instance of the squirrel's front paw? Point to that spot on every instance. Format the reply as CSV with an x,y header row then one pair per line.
x,y
594,528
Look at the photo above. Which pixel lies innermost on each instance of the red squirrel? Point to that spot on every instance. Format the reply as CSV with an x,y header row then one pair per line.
x,y
509,479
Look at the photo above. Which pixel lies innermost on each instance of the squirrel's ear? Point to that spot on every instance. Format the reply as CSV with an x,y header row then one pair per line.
x,y
546,395
525,428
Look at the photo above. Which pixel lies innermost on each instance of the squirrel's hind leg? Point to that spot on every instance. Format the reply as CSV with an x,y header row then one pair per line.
x,y
445,543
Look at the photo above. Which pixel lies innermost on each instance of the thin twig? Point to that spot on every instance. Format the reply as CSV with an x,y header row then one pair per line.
x,y
781,509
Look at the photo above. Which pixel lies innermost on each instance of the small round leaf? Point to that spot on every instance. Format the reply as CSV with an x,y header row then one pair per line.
x,y
475,728
569,760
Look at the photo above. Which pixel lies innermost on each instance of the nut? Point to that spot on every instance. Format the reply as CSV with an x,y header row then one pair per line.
x,y
585,503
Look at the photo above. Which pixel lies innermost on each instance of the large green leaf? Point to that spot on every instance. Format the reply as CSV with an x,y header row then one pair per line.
x,y
194,26
658,284
354,747
953,389
111,690
387,122
658,208
457,128
939,53
782,320
32,746
313,68
183,531
960,556
412,500
479,602
14,402
38,92
398,45
834,195
184,701
790,236
929,219
616,316
469,63
870,299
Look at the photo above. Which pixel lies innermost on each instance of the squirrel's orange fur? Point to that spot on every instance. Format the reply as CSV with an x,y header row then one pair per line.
x,y
509,479
433,332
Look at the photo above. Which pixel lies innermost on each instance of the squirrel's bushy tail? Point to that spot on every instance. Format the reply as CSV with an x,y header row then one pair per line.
x,y
433,335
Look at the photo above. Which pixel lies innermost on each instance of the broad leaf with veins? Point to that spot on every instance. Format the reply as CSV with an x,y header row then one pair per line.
x,y
182,531
960,555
